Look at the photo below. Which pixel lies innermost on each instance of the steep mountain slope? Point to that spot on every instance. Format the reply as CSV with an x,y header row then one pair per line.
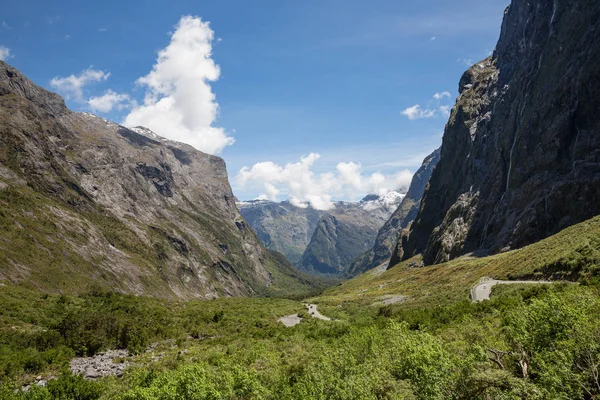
x,y
520,158
281,226
388,235
86,202
346,231
571,254
320,242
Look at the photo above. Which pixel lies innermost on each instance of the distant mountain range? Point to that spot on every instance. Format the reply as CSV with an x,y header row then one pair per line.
x,y
321,242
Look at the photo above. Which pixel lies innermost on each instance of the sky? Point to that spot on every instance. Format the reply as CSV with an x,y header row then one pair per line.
x,y
312,101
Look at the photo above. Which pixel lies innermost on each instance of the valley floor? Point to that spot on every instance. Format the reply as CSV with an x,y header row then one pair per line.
x,y
432,342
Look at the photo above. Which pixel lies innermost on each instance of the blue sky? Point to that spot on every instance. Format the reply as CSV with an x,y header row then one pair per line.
x,y
294,77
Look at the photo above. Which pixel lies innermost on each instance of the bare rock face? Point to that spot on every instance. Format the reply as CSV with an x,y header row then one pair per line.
x,y
388,236
520,158
321,242
282,226
84,201
346,231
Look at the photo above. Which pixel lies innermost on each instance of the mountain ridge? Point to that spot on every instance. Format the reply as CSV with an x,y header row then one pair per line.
x,y
521,150
291,230
105,205
387,237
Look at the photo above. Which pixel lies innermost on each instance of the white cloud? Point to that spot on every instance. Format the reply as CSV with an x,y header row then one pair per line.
x,y
434,108
417,112
5,53
179,103
465,61
109,100
72,86
305,188
432,39
445,111
53,19
101,29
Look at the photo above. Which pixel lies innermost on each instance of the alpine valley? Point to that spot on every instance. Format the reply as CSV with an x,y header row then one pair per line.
x,y
316,241
128,269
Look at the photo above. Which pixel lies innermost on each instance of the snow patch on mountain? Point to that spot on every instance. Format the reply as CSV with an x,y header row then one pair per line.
x,y
390,200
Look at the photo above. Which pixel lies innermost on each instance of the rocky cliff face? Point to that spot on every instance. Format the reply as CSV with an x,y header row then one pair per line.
x,y
320,242
520,158
388,235
281,226
345,232
84,202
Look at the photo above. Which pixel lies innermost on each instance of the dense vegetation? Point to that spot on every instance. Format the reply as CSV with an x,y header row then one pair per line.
x,y
572,254
527,342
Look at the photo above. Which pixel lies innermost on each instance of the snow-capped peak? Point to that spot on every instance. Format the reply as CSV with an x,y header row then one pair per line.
x,y
389,200
251,203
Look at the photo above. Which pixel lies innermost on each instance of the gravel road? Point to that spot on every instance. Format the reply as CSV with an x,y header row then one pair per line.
x,y
483,289
312,310
294,319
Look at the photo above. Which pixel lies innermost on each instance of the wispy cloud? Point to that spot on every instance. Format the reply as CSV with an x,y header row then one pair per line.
x,y
110,100
467,62
51,20
417,112
72,86
5,53
434,108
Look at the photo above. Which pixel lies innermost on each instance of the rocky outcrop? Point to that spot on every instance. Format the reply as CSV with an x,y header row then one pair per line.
x,y
86,202
109,363
520,158
282,227
388,235
316,241
346,231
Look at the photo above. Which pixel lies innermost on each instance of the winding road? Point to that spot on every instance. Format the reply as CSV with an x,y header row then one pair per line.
x,y
483,289
294,319
312,310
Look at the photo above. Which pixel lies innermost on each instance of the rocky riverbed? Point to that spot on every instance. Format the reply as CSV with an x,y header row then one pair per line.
x,y
112,362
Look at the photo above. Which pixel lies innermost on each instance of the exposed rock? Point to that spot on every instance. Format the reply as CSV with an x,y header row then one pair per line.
x,y
388,235
520,158
346,231
119,208
282,227
320,242
110,363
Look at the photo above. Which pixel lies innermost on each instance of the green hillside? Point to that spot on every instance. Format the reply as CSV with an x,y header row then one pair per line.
x,y
571,254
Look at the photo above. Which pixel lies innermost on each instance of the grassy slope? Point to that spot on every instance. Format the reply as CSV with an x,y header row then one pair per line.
x,y
364,353
573,252
48,245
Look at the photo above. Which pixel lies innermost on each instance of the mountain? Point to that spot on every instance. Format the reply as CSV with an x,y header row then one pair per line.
x,y
388,235
320,242
346,231
282,227
85,202
520,158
